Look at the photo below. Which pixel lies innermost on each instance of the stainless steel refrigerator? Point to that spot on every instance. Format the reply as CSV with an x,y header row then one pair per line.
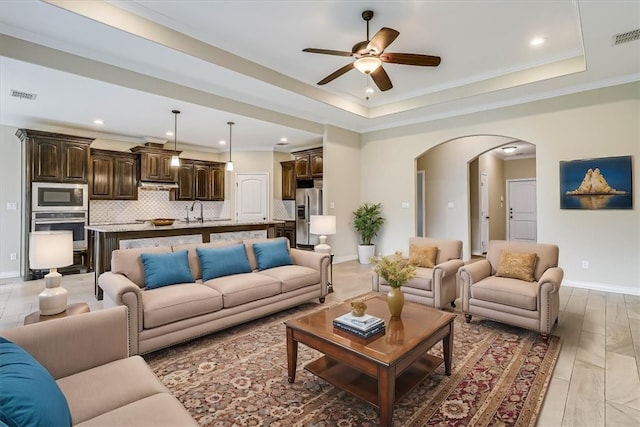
x,y
308,202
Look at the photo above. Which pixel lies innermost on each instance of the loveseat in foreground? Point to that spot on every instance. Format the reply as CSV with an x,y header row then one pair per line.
x,y
237,293
88,357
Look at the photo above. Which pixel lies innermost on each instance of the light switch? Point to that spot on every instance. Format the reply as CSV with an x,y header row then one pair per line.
x,y
450,205
12,206
332,205
405,205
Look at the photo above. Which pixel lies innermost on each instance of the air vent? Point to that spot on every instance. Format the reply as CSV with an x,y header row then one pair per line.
x,y
629,36
24,95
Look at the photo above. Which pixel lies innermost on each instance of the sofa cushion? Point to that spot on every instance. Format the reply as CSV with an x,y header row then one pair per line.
x,y
242,288
30,395
517,265
293,276
166,269
128,263
194,261
224,261
251,254
423,256
272,254
507,291
173,303
107,387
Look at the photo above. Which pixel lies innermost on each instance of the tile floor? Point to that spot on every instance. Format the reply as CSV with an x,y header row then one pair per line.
x,y
596,380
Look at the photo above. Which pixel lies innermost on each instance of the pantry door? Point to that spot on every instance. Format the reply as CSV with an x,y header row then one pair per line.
x,y
252,197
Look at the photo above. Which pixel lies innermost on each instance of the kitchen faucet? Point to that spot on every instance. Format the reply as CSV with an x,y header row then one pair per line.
x,y
201,214
186,208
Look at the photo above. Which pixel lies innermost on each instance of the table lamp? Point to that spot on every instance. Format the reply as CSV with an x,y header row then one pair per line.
x,y
322,225
51,249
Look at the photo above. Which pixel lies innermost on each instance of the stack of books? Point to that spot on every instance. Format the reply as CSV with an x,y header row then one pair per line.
x,y
364,326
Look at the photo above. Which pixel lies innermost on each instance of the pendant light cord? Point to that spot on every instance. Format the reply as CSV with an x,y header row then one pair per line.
x,y
230,125
175,130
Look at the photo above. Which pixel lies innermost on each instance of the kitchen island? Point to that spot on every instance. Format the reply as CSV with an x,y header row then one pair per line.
x,y
104,238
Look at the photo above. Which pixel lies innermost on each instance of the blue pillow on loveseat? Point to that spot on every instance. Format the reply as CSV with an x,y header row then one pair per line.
x,y
223,261
165,269
272,254
29,396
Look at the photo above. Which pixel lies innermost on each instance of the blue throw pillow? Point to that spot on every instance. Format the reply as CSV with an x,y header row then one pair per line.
x,y
166,269
29,396
223,261
272,254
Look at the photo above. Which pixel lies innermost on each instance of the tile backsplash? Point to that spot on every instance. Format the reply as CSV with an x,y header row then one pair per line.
x,y
151,204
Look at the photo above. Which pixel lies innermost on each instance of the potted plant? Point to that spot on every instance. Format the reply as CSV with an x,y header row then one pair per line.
x,y
367,220
396,271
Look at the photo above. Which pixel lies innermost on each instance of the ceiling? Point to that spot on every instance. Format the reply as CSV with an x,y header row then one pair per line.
x,y
129,63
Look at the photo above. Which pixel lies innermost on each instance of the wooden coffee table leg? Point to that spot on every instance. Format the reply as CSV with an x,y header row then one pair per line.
x,y
292,355
447,350
386,394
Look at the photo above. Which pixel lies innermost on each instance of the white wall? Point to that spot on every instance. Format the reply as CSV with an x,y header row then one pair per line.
x,y
11,176
599,123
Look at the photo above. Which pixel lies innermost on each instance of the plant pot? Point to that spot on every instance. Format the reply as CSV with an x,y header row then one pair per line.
x,y
365,253
395,301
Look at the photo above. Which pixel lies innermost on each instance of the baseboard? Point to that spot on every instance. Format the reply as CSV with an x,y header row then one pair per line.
x,y
9,274
338,260
603,287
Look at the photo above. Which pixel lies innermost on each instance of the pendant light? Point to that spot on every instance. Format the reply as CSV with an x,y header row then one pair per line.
x,y
230,163
175,160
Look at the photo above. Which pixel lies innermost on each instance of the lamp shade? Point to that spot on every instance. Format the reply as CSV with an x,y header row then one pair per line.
x,y
322,224
50,249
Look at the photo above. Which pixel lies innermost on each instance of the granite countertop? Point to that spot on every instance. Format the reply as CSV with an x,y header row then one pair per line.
x,y
142,226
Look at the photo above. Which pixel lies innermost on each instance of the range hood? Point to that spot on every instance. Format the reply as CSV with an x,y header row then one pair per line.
x,y
150,185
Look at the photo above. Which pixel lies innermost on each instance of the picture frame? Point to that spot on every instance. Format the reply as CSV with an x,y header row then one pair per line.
x,y
598,183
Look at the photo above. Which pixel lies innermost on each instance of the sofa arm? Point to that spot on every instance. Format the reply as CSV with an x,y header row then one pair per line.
x,y
119,290
552,276
470,274
447,268
316,260
73,344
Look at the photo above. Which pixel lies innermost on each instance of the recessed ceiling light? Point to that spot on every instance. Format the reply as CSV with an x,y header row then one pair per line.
x,y
536,41
283,139
169,133
509,149
98,122
222,142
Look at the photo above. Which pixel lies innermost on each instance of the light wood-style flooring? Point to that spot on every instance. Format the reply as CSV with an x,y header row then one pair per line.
x,y
596,381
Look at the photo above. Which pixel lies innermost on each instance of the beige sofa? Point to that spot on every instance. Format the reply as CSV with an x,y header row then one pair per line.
x,y
169,315
435,286
531,304
88,356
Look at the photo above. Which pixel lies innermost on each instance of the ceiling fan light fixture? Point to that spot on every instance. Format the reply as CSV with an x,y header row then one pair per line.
x,y
509,149
367,64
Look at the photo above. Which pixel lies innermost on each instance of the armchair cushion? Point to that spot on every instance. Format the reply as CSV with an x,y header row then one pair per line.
x,y
517,265
423,256
506,291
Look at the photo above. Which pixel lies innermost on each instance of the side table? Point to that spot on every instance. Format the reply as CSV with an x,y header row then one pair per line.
x,y
72,309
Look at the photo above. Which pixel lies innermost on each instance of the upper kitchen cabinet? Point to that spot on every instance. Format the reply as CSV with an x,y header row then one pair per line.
x,y
217,174
155,163
200,180
308,163
288,180
113,175
54,157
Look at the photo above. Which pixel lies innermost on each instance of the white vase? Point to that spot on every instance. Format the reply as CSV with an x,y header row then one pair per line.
x,y
365,253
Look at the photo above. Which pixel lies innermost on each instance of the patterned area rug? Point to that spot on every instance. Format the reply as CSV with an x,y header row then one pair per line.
x,y
238,377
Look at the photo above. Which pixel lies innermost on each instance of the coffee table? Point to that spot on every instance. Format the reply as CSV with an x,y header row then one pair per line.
x,y
383,369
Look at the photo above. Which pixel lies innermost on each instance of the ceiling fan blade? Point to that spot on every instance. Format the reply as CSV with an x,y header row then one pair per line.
x,y
381,79
382,39
327,52
336,74
411,59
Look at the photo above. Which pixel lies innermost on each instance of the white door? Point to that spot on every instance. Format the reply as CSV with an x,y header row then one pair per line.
x,y
484,212
252,197
521,210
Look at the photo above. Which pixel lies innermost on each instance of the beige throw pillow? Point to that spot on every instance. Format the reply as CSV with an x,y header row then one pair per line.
x,y
517,266
423,256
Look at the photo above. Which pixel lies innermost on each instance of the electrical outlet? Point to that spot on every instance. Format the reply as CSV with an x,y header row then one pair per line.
x,y
13,256
585,264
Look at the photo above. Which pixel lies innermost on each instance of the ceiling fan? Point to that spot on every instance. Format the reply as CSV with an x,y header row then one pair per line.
x,y
370,55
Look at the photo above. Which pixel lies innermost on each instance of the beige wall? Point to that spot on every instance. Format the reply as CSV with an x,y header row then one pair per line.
x,y
11,178
494,168
520,169
597,123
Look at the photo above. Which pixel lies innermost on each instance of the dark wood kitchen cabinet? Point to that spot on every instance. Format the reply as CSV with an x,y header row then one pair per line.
x,y
288,180
288,230
200,180
308,163
218,173
155,163
113,175
54,157
185,189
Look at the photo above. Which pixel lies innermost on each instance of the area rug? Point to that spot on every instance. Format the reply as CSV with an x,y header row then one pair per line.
x,y
238,377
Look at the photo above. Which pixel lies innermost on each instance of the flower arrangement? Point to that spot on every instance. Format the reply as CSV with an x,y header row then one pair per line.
x,y
394,269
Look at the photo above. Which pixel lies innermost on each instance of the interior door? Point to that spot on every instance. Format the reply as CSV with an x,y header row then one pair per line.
x,y
522,212
484,212
252,197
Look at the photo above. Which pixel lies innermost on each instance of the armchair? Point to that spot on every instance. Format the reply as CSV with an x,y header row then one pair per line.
x,y
494,287
435,286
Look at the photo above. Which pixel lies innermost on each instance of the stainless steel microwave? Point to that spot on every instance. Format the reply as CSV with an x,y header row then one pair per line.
x,y
51,196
